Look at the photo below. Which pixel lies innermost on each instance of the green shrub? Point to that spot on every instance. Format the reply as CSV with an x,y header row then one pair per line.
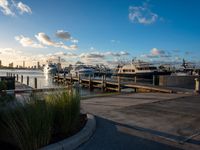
x,y
29,125
5,99
32,124
3,85
66,109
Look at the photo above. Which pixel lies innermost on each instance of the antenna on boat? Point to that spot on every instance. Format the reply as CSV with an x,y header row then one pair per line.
x,y
133,60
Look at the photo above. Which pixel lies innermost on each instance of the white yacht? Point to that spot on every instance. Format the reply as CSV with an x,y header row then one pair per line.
x,y
82,70
140,68
50,68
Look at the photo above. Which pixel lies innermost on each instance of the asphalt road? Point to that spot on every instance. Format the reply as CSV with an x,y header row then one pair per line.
x,y
108,137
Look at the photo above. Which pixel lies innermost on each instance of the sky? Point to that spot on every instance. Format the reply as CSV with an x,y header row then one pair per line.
x,y
99,31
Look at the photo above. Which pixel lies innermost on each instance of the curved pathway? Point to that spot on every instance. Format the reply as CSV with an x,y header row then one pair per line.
x,y
142,121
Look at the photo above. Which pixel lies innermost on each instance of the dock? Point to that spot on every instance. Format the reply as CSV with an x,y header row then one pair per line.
x,y
117,84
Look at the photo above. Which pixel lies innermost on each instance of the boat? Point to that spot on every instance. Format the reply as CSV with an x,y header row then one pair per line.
x,y
101,69
140,69
187,69
50,69
82,70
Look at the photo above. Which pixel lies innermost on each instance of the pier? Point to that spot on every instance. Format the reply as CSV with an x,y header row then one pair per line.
x,y
163,84
117,84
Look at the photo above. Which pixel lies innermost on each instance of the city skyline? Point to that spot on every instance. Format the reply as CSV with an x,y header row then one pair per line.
x,y
95,31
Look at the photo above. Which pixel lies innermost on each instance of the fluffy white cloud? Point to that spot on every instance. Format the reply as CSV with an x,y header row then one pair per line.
x,y
63,35
46,40
157,52
75,41
9,51
103,55
9,55
92,55
10,7
122,53
5,8
23,8
142,15
28,42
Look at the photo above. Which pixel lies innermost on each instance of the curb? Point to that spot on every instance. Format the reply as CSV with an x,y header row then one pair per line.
x,y
77,139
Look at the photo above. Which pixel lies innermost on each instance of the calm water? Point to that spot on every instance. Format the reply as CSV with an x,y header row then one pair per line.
x,y
43,80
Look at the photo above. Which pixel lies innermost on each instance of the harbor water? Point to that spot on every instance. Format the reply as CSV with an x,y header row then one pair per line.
x,y
43,80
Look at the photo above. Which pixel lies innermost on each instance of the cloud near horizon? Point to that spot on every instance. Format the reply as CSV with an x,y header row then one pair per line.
x,y
28,42
43,40
157,53
10,7
46,40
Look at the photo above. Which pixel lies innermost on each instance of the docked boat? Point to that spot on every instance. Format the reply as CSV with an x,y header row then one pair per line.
x,y
82,70
50,68
141,69
187,69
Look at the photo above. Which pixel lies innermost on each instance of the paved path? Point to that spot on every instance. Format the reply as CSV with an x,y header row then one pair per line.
x,y
144,121
108,137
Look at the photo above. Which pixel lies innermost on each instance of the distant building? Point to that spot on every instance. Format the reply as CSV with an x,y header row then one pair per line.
x,y
10,65
23,64
59,66
38,65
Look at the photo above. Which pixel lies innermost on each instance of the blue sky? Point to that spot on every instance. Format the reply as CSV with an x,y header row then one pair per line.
x,y
101,31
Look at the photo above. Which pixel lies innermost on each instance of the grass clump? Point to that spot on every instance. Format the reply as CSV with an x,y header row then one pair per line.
x,y
32,124
66,110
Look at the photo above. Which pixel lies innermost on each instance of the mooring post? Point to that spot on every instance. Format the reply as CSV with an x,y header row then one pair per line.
x,y
21,78
135,79
27,80
71,79
105,86
90,83
102,84
17,77
79,78
197,88
154,80
35,81
119,88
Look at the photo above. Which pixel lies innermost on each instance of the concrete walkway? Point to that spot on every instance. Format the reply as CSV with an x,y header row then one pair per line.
x,y
144,121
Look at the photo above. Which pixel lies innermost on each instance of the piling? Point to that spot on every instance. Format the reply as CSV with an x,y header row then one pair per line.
x,y
154,80
27,80
135,79
17,77
21,78
118,81
90,83
197,88
79,78
71,79
102,84
35,81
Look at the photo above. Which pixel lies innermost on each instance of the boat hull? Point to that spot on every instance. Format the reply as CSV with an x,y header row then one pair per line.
x,y
148,75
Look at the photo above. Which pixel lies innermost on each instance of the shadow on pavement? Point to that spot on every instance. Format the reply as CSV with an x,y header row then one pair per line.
x,y
108,137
